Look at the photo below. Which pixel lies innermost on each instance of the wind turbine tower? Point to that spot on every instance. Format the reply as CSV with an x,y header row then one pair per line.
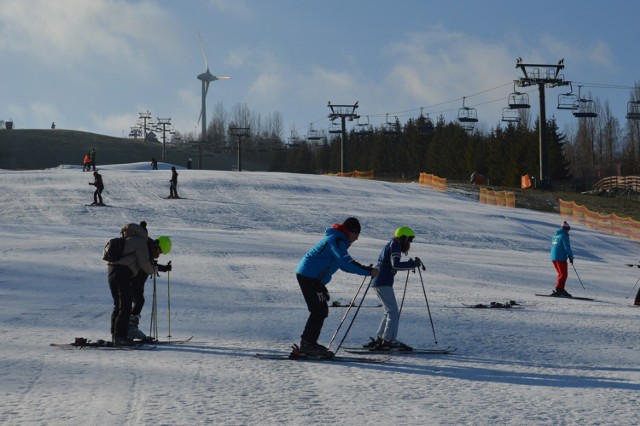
x,y
206,78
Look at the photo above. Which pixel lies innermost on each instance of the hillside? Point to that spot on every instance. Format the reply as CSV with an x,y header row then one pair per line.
x,y
27,149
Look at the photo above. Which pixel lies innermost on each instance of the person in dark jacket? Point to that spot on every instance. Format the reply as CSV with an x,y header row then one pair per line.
x,y
135,258
389,263
92,157
97,194
315,271
155,248
173,184
560,252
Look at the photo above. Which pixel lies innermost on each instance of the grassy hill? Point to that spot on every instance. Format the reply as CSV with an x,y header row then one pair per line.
x,y
22,149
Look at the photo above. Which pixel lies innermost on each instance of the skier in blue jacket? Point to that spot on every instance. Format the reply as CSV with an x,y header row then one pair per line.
x,y
389,263
315,271
560,252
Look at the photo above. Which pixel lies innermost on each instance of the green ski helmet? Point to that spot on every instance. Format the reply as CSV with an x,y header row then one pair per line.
x,y
404,231
164,243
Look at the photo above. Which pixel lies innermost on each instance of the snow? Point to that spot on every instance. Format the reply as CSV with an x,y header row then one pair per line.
x,y
237,238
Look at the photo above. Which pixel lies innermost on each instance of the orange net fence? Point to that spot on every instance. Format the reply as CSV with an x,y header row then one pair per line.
x,y
608,223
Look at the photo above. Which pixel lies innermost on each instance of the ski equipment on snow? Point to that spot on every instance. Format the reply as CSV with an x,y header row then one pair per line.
x,y
419,351
565,297
84,343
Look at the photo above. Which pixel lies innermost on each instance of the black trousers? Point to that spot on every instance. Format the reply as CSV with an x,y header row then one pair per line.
x,y
120,286
318,309
137,292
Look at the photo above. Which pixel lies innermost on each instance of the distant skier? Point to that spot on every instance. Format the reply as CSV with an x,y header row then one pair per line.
x,y
189,164
154,163
86,163
173,186
92,157
315,271
560,252
97,194
389,264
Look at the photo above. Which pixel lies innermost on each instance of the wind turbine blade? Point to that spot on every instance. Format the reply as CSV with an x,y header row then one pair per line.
x,y
206,63
199,118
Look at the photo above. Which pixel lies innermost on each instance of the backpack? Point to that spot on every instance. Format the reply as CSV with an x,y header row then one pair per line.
x,y
113,250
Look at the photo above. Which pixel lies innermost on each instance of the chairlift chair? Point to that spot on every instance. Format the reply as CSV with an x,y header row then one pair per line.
x,y
335,127
313,134
425,124
467,114
391,127
518,100
510,115
633,110
584,108
567,101
363,128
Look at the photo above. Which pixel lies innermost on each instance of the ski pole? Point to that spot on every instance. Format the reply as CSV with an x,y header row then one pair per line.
x,y
354,317
574,268
347,312
169,303
403,294
427,301
153,328
634,287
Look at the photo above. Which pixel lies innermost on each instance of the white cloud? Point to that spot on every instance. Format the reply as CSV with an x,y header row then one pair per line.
x,y
68,33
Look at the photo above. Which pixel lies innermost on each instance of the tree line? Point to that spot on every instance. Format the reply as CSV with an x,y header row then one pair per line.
x,y
591,149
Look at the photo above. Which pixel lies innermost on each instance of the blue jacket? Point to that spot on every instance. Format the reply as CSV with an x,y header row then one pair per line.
x,y
389,264
329,255
561,246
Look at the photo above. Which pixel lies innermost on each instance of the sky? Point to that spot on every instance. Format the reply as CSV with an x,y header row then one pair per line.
x,y
95,66
237,238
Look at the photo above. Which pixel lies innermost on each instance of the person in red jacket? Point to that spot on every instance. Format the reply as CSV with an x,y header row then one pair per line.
x,y
86,163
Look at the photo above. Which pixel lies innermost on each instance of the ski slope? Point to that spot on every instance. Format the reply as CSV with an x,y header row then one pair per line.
x,y
237,238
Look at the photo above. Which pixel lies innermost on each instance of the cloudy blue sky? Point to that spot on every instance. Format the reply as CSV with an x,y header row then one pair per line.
x,y
94,65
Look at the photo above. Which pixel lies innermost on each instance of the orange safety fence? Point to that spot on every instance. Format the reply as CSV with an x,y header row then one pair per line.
x,y
433,181
497,198
608,223
355,174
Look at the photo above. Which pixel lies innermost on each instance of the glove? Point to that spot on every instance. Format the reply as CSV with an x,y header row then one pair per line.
x,y
418,262
322,292
164,268
571,261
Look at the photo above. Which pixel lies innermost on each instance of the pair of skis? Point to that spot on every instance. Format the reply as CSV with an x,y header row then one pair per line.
x,y
84,343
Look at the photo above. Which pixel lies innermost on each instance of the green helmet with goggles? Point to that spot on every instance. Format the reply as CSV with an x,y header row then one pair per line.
x,y
404,231
164,243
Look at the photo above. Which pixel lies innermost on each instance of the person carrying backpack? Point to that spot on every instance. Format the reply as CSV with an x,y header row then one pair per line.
x,y
161,245
135,257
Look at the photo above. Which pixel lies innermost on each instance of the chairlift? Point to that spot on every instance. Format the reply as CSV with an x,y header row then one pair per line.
x,y
425,124
511,115
391,127
518,100
633,110
584,108
335,127
567,100
363,128
467,115
313,134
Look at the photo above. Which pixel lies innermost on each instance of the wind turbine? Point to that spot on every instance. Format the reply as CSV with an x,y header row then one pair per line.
x,y
206,78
